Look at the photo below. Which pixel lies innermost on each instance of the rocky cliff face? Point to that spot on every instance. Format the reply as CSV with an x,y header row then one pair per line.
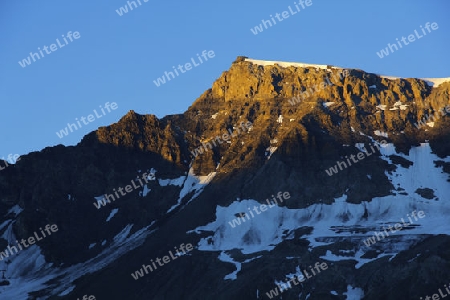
x,y
303,120
309,131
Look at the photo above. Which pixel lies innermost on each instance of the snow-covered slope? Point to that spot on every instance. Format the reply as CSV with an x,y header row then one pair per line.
x,y
29,272
267,229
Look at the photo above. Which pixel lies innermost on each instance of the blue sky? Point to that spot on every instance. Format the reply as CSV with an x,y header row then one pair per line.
x,y
117,57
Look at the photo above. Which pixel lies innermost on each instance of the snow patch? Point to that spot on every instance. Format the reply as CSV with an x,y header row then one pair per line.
x,y
435,82
113,212
269,151
191,183
227,258
16,209
354,293
145,191
280,119
29,271
381,133
177,181
265,232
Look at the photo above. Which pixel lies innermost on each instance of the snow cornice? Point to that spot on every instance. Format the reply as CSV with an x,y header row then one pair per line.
x,y
434,82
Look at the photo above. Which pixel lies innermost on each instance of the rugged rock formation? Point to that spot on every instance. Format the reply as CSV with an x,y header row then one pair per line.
x,y
288,148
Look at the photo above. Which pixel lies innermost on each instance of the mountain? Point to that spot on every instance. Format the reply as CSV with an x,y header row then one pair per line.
x,y
344,153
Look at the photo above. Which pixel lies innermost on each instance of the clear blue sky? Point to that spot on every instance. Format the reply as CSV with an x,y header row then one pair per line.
x,y
117,57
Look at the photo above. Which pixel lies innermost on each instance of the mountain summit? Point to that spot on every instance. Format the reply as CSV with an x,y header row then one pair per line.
x,y
263,131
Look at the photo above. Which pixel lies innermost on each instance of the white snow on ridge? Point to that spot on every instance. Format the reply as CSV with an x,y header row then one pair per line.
x,y
285,64
389,77
435,82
